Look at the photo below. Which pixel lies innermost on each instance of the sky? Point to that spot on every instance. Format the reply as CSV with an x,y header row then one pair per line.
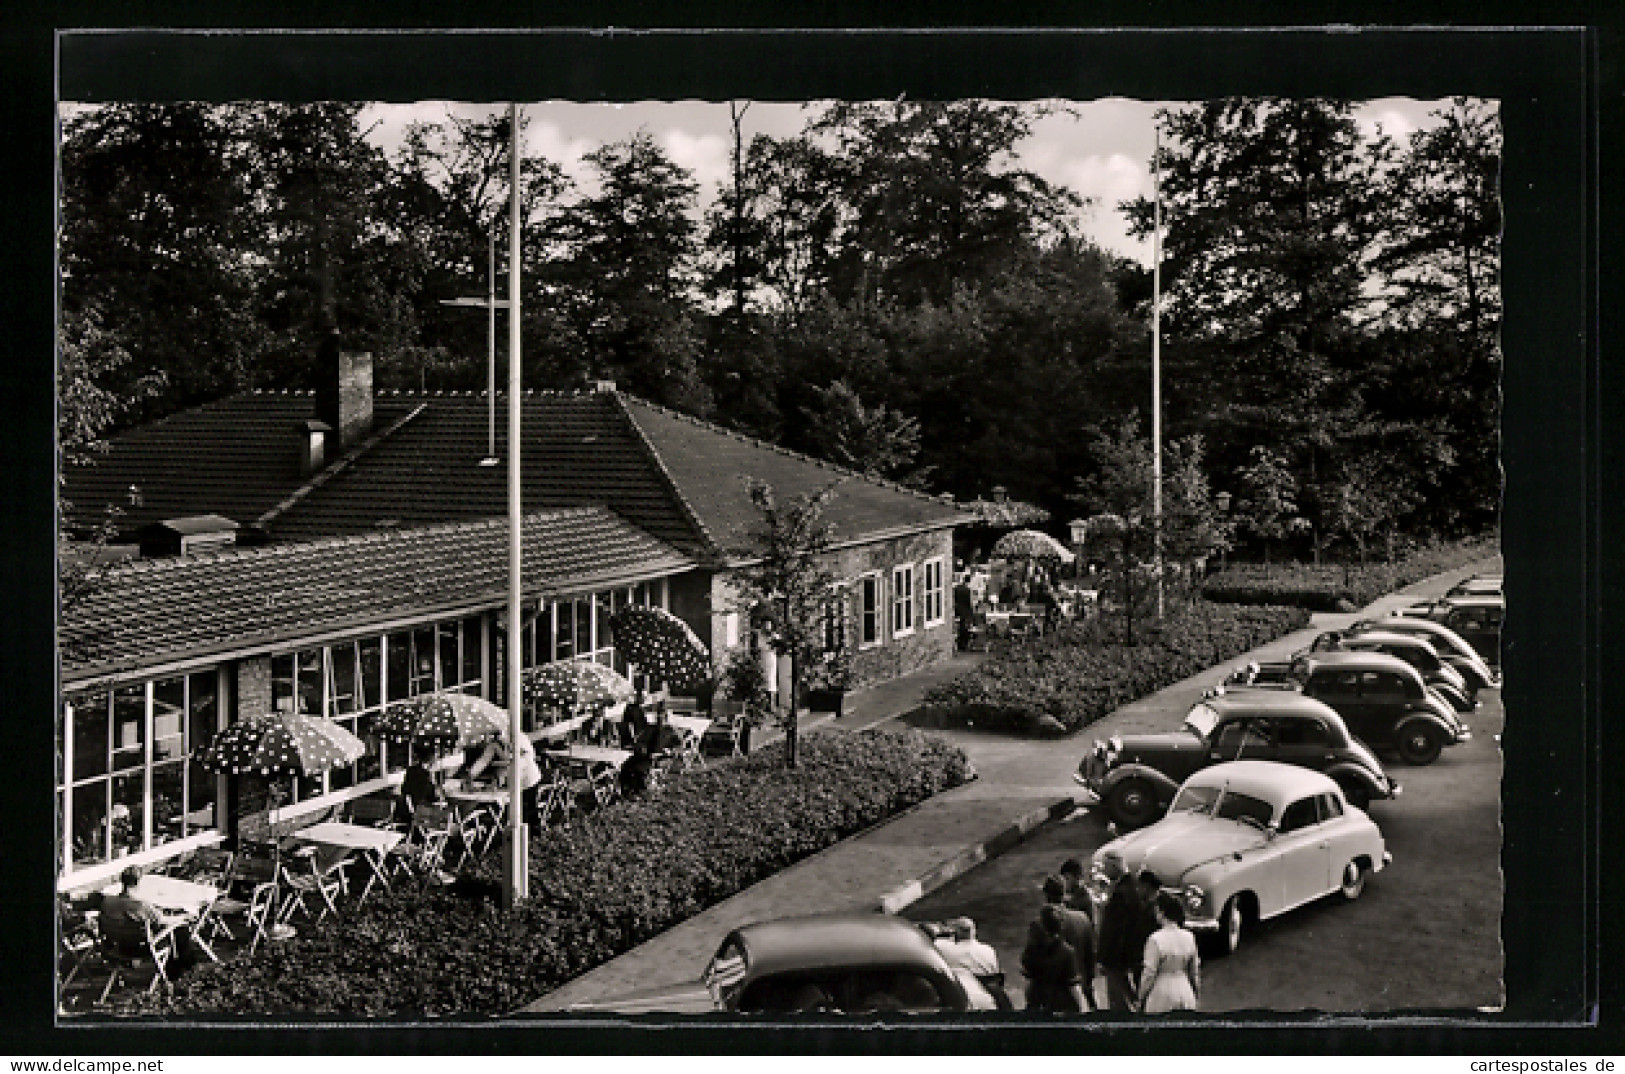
x,y
1099,149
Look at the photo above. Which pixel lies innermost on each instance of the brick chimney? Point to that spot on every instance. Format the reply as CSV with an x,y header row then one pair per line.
x,y
343,393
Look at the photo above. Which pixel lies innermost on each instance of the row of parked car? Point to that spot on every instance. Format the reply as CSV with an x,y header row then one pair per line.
x,y
1262,792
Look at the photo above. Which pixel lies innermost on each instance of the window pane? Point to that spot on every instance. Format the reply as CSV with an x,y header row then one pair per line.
x,y
169,720
544,635
471,650
344,775
168,801
400,665
310,682
583,620
200,797
90,737
602,611
451,664
370,766
129,811
129,727
90,823
424,678
282,683
370,693
342,688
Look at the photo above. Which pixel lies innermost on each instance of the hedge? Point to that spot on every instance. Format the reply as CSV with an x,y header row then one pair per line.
x,y
1067,680
597,889
1336,586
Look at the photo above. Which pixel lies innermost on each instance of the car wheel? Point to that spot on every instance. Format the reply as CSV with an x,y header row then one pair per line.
x,y
1229,937
1354,875
1419,745
1132,803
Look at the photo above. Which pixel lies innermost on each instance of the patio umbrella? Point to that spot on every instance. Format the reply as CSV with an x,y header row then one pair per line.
x,y
662,645
445,720
285,743
574,684
1031,544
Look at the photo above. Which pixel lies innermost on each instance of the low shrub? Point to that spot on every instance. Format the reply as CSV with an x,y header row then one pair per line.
x,y
597,889
1339,586
1082,672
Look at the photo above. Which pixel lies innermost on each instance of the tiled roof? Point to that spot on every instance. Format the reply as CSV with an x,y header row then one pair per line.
x,y
676,478
708,466
151,611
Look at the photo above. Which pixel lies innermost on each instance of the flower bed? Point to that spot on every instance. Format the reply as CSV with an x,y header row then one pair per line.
x,y
1335,586
597,889
1065,681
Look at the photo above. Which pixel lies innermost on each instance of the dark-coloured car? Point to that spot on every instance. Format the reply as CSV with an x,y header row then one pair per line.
x,y
1476,618
852,963
1479,585
1418,652
1451,647
1382,699
1135,776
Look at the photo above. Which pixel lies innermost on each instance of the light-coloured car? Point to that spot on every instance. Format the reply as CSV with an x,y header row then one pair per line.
x,y
1245,841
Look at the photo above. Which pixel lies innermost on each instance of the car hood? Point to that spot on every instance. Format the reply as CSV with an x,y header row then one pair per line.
x,y
691,997
1180,842
1141,747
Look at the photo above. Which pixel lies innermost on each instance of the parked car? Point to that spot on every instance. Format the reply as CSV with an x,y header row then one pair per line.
x,y
1476,618
1136,776
850,963
1451,647
1479,585
1383,699
1418,652
1245,841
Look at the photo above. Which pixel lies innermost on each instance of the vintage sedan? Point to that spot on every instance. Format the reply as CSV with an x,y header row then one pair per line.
x,y
1135,776
1247,840
851,963
1416,651
1477,618
1451,647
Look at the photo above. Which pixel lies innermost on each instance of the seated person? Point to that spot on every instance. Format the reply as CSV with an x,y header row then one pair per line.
x,y
124,917
418,788
634,724
634,774
661,737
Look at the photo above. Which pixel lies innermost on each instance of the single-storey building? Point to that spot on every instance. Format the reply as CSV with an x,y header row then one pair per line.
x,y
331,552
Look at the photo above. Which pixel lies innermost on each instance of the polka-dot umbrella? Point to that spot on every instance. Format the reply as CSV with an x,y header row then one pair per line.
x,y
661,645
446,721
575,685
282,743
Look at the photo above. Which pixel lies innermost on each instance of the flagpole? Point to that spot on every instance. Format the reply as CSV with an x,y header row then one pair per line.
x,y
491,344
516,874
1156,361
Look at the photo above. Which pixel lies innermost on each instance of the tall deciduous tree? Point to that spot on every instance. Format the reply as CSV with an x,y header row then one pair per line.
x,y
873,440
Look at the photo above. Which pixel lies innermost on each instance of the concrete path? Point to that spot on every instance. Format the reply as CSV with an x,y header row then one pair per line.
x,y
1022,783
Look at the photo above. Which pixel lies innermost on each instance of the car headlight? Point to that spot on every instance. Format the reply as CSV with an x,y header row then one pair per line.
x,y
1195,898
1115,743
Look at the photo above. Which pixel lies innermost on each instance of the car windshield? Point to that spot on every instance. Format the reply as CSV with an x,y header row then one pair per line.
x,y
1195,800
1245,808
1200,721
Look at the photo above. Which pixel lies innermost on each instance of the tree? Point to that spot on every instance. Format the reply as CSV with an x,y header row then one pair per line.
x,y
787,577
629,272
1267,506
872,440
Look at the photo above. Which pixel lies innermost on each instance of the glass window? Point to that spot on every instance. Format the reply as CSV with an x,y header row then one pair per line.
x,y
370,654
583,620
902,599
451,663
398,661
343,681
835,613
1331,807
90,736
932,591
311,678
168,720
869,610
282,683
129,727
1304,813
472,672
425,679
168,801
90,824
566,632
129,812
602,610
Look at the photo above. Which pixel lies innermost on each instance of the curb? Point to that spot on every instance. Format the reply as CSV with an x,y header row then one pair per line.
x,y
901,897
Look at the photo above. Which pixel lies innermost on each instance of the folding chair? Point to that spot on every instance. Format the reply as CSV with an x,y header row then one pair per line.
x,y
373,813
158,946
77,940
316,883
555,799
605,781
469,824
424,860
689,754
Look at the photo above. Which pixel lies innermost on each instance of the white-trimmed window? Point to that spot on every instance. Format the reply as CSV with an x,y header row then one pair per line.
x,y
932,592
902,600
868,611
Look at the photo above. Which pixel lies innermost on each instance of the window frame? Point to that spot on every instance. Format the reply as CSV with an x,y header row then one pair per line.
x,y
901,602
870,600
934,598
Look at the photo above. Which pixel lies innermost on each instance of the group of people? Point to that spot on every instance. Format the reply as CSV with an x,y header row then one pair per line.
x,y
1137,941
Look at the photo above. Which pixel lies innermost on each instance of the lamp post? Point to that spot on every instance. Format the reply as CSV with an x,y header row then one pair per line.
x,y
516,871
491,303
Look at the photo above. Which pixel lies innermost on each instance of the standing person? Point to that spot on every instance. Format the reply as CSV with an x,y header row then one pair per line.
x,y
1122,942
1077,895
1077,929
1051,967
418,787
961,950
1171,979
634,724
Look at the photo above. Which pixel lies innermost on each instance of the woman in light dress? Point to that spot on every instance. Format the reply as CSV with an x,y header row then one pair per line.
x,y
1172,977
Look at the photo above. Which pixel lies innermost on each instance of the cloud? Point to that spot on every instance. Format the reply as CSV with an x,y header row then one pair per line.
x,y
706,155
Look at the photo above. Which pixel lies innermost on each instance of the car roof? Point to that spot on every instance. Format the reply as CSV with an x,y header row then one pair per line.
x,y
846,940
1358,660
1376,636
1475,600
1270,780
1267,701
